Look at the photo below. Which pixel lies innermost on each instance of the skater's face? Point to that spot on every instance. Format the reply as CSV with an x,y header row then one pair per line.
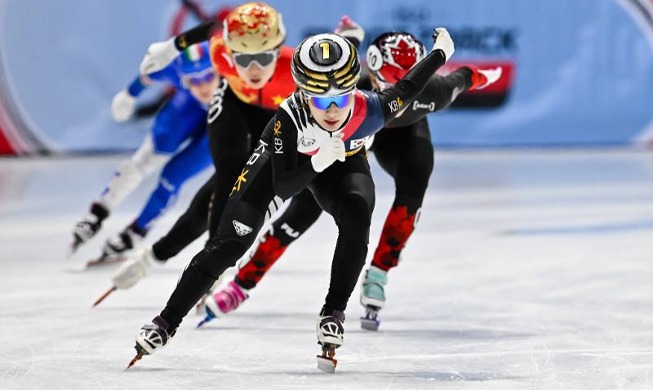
x,y
255,69
331,112
202,87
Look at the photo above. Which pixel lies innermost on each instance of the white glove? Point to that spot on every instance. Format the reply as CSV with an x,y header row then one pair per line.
x,y
330,151
123,106
492,75
442,41
350,29
133,270
158,56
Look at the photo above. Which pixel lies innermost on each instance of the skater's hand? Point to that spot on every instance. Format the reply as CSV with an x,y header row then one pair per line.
x,y
350,29
442,41
158,56
330,151
482,78
123,106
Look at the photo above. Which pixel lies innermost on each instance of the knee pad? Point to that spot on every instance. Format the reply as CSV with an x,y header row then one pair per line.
x,y
220,254
355,216
358,189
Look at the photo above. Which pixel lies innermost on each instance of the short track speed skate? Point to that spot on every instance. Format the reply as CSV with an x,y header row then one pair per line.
x,y
373,297
330,335
327,362
152,338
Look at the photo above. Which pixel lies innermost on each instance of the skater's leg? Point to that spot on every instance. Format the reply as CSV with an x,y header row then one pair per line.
x,y
409,160
407,155
189,226
240,224
301,213
190,161
299,216
184,165
346,191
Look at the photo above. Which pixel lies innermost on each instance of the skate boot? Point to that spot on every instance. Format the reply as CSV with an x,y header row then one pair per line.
x,y
224,301
330,335
131,272
115,248
135,269
482,78
153,337
88,227
373,297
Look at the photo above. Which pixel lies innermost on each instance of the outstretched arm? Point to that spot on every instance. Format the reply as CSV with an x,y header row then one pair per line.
x,y
393,99
160,54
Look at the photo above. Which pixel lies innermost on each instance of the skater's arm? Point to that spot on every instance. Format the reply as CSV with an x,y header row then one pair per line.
x,y
160,54
441,91
200,33
395,98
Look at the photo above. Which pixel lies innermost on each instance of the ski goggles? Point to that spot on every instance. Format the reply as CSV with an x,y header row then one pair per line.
x,y
324,102
195,79
263,58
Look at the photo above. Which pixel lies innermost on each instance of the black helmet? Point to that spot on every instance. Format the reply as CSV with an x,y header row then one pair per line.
x,y
325,64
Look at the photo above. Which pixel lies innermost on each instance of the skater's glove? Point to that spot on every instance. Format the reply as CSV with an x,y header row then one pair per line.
x,y
158,56
482,78
350,29
329,152
123,106
442,41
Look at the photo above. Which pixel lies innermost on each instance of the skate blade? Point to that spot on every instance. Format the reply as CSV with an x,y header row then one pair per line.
x,y
326,362
140,352
103,296
105,261
136,358
370,323
208,318
326,365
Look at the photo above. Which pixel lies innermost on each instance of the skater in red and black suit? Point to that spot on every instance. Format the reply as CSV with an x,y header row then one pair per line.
x,y
403,149
315,141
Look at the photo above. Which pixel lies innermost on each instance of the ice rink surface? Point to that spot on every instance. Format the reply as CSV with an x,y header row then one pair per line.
x,y
529,269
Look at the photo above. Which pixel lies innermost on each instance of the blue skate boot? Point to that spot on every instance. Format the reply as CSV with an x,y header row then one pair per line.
x,y
373,297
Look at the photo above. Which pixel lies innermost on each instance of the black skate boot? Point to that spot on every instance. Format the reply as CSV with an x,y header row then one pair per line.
x,y
153,337
330,335
88,227
115,248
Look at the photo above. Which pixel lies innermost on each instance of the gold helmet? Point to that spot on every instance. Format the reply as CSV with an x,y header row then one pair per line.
x,y
253,28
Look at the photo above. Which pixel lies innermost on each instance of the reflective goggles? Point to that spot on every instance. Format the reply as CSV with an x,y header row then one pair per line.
x,y
263,58
195,79
324,102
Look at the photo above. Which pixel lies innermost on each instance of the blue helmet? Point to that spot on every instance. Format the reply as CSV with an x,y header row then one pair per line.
x,y
194,61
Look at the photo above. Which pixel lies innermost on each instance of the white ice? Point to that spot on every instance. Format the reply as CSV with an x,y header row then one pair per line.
x,y
529,269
